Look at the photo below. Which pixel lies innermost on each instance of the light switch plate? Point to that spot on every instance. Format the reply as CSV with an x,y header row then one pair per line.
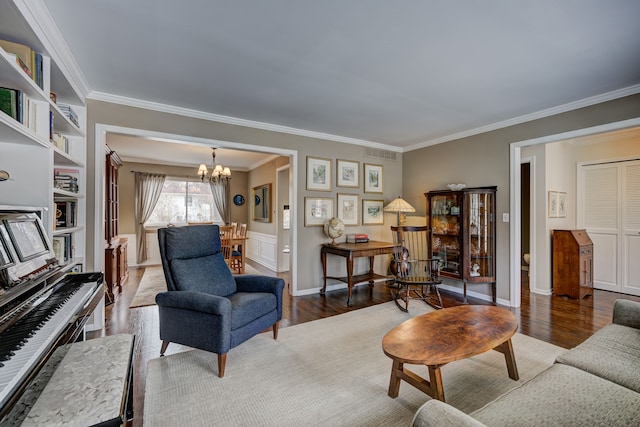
x,y
505,217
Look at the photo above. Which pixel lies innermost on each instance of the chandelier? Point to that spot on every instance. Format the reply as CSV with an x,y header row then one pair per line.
x,y
219,173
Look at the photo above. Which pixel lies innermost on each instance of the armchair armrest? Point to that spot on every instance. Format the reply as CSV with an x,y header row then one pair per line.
x,y
627,313
195,301
439,414
257,283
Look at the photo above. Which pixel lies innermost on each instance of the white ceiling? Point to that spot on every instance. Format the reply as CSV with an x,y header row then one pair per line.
x,y
401,73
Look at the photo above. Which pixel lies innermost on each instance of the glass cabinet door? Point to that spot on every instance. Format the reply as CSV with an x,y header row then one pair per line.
x,y
481,226
445,222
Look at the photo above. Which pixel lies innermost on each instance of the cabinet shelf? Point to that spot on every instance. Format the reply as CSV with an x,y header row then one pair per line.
x,y
58,193
13,131
62,124
64,159
65,230
12,76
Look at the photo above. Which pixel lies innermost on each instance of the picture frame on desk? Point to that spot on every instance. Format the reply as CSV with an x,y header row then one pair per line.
x,y
372,212
317,211
318,174
373,178
347,173
348,206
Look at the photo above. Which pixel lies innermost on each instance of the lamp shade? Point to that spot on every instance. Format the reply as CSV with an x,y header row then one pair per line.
x,y
202,170
399,205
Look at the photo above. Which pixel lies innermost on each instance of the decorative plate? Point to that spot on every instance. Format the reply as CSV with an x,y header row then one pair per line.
x,y
238,200
257,200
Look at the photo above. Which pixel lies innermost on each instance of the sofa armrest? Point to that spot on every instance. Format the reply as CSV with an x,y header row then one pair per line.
x,y
627,313
439,414
195,301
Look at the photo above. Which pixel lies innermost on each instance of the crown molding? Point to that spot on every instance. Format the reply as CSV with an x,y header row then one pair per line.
x,y
586,102
164,108
37,15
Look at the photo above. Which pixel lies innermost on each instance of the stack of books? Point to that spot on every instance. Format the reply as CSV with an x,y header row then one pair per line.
x,y
357,238
66,179
65,214
28,60
60,141
68,111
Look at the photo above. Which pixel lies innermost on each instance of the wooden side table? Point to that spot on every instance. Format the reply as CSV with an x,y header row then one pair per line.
x,y
351,251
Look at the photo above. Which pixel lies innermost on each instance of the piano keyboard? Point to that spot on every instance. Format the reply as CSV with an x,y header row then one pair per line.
x,y
23,344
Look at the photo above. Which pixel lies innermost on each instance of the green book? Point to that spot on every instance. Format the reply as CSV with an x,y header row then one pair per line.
x,y
8,102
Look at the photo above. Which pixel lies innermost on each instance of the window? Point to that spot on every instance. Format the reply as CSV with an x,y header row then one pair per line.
x,y
182,201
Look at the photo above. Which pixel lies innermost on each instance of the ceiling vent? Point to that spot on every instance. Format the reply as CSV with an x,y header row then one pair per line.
x,y
379,154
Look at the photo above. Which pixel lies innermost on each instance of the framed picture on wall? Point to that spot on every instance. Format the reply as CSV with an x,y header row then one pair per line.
x,y
562,204
372,213
317,211
347,173
318,174
553,204
372,178
348,207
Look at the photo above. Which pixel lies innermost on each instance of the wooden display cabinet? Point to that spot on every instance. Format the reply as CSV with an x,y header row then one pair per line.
x,y
463,234
572,263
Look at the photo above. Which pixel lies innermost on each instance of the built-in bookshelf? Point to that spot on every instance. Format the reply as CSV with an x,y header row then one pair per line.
x,y
42,135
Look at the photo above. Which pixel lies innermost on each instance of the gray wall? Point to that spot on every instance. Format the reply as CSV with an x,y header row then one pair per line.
x,y
309,238
484,160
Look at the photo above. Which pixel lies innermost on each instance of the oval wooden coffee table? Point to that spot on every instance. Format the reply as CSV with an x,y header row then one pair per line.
x,y
442,336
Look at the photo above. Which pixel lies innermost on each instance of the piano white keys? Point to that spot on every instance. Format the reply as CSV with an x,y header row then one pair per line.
x,y
19,366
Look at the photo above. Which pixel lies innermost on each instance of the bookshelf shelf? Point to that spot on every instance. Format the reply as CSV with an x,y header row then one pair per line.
x,y
12,131
59,193
61,158
66,230
13,77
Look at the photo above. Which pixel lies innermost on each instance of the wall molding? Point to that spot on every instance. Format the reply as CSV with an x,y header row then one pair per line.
x,y
262,248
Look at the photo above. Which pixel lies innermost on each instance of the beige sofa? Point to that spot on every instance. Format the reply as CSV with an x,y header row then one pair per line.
x,y
596,383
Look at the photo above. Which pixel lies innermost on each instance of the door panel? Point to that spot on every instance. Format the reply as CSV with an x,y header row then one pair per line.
x,y
605,261
631,284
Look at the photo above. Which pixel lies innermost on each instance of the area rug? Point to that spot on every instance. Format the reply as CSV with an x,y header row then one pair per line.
x,y
328,372
153,282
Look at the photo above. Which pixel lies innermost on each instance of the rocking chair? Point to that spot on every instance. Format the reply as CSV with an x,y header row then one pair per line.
x,y
415,275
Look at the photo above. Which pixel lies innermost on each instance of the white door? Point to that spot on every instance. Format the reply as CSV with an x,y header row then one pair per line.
x,y
610,212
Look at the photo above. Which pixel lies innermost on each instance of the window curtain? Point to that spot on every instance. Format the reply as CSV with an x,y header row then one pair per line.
x,y
148,189
220,191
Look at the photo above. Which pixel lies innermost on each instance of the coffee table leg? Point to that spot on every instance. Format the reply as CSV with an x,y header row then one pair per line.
x,y
506,348
435,378
394,382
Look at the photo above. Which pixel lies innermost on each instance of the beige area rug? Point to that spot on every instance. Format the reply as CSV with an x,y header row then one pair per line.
x,y
329,372
153,282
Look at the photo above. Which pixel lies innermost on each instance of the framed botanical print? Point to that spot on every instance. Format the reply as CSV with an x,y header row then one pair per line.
x,y
553,204
348,207
347,173
562,204
372,213
372,178
318,174
317,211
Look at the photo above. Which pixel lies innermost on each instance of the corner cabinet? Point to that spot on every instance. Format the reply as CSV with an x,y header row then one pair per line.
x,y
463,234
43,147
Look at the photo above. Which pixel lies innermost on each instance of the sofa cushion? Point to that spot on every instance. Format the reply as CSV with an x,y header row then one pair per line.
x,y
612,353
563,395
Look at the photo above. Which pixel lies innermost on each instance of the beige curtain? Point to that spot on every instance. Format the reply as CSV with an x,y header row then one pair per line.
x,y
148,189
220,191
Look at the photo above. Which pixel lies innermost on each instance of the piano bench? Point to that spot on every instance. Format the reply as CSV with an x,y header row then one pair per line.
x,y
93,384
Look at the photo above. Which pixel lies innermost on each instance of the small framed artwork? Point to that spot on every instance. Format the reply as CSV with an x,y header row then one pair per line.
x,y
372,213
347,173
317,211
348,206
553,204
372,178
318,174
562,204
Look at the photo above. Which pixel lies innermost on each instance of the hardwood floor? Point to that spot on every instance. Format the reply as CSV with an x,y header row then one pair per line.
x,y
558,320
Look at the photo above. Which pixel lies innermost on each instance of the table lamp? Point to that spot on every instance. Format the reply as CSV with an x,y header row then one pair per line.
x,y
397,206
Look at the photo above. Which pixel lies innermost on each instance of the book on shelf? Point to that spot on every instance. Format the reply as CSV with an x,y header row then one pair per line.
x,y
70,113
62,248
17,105
27,59
23,52
357,238
66,179
61,142
65,214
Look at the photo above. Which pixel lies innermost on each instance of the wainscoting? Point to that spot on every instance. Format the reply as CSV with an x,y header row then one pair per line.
x,y
262,249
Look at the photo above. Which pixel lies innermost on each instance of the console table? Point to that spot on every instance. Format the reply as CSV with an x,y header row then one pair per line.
x,y
351,251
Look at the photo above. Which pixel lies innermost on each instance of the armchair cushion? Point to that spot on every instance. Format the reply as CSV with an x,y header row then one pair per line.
x,y
209,274
248,306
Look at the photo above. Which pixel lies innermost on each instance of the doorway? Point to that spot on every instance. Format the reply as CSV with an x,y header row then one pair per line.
x,y
525,222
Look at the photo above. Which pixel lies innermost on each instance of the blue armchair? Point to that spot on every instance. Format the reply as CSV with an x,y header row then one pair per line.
x,y
206,307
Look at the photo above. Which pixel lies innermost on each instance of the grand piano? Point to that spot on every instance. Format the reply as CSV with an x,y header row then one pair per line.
x,y
43,306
